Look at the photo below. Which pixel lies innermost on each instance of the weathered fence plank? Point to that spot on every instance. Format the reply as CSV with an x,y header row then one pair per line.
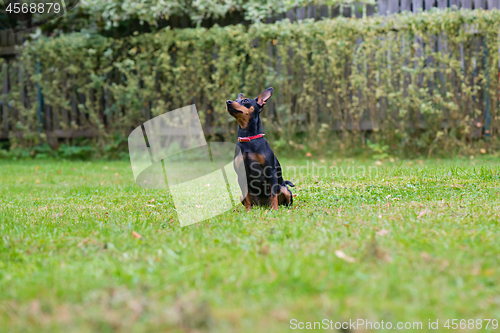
x,y
466,4
393,6
323,12
291,15
405,6
312,11
5,107
479,4
383,7
301,13
418,5
493,4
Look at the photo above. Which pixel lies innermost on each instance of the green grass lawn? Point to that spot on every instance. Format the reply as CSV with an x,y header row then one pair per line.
x,y
84,249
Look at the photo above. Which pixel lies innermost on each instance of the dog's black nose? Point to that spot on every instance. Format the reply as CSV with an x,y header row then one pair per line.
x,y
229,102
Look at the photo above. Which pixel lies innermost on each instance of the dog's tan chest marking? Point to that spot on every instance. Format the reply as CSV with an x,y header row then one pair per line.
x,y
259,158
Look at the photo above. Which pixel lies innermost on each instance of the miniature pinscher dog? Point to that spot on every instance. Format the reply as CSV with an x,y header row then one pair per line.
x,y
264,184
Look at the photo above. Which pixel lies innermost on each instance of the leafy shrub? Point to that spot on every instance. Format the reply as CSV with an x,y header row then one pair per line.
x,y
41,151
75,152
380,151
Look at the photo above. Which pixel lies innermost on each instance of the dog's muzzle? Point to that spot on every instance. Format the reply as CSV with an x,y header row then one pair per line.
x,y
229,107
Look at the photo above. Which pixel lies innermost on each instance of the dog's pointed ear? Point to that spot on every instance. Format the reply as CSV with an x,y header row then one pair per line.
x,y
240,96
264,96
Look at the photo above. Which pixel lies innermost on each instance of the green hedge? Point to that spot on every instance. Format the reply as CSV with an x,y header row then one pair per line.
x,y
336,82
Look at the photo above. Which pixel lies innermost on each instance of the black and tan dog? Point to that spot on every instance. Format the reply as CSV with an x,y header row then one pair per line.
x,y
263,183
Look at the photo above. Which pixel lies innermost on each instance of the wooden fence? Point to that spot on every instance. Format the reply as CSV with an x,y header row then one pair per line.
x,y
12,71
396,6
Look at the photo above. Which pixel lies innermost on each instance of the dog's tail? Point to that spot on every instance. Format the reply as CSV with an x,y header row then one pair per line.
x,y
289,183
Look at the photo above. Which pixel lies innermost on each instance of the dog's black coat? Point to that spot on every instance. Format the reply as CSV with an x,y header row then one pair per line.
x,y
264,184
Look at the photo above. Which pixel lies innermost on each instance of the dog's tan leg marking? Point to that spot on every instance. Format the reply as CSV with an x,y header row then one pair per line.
x,y
259,158
274,201
248,203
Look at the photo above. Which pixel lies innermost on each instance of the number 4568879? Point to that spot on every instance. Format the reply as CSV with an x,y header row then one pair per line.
x,y
471,323
49,7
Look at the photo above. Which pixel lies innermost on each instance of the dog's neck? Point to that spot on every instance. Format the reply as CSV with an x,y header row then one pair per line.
x,y
253,128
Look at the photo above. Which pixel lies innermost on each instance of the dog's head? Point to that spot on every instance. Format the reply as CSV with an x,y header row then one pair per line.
x,y
246,111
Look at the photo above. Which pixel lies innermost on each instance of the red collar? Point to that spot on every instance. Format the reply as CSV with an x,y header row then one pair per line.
x,y
250,138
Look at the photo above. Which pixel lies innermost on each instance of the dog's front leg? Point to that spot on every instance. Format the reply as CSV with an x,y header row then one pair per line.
x,y
247,202
275,187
